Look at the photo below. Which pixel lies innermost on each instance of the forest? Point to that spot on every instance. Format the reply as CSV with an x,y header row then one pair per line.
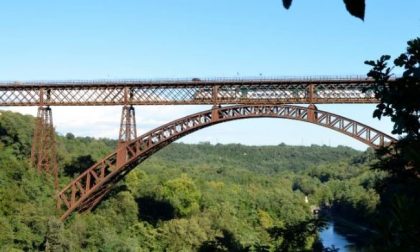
x,y
187,197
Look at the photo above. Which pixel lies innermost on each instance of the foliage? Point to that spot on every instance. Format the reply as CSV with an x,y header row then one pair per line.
x,y
182,194
297,237
397,218
54,238
78,165
354,7
14,135
25,204
399,101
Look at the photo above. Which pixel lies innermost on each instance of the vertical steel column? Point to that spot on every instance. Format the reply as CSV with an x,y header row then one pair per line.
x,y
216,105
127,133
43,152
310,93
312,114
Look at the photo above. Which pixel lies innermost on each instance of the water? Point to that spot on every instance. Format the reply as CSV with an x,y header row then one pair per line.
x,y
329,238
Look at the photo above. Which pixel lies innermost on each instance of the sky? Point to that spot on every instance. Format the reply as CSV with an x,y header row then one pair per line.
x,y
104,39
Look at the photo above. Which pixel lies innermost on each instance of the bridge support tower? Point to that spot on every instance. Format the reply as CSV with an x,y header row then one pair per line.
x,y
43,152
127,133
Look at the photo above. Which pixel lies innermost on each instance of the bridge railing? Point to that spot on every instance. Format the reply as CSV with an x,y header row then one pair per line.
x,y
185,80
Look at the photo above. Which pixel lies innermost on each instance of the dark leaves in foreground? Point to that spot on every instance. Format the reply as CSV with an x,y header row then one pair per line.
x,y
294,236
287,3
398,220
354,7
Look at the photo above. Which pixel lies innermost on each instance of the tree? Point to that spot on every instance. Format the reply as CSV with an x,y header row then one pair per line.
x,y
226,242
354,7
54,237
182,194
78,165
398,219
298,236
70,136
400,101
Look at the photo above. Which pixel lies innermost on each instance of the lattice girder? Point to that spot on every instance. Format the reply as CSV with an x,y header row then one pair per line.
x,y
184,92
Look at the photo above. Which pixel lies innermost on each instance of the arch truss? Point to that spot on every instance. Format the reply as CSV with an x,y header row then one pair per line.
x,y
88,189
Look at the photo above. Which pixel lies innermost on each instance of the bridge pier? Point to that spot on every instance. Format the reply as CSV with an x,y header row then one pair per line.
x,y
43,152
127,133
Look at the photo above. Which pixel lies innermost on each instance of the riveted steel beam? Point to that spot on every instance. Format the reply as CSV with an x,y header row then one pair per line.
x,y
184,92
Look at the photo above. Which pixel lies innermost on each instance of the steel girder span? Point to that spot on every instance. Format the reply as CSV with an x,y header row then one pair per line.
x,y
87,190
191,91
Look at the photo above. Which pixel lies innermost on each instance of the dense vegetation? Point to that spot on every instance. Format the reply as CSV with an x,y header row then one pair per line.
x,y
397,219
185,198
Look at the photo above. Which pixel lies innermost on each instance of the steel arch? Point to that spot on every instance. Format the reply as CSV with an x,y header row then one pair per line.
x,y
88,189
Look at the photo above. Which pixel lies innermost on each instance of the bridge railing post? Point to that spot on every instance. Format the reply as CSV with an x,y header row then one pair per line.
x,y
128,132
43,152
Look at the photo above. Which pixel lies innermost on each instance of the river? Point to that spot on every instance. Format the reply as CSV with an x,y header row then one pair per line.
x,y
331,238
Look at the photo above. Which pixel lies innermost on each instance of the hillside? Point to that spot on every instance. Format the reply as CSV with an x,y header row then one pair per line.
x,y
198,197
265,159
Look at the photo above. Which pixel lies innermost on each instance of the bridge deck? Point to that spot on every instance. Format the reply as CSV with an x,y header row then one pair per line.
x,y
187,91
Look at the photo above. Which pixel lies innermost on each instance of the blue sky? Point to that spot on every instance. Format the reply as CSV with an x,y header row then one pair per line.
x,y
204,38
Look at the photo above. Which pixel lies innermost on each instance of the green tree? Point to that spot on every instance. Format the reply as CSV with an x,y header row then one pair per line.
x,y
399,100
298,237
54,239
78,165
182,194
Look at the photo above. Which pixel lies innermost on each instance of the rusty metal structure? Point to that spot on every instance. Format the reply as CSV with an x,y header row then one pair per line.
x,y
188,92
128,129
84,192
43,152
128,132
231,99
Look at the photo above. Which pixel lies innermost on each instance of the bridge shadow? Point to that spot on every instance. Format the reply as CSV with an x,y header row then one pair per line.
x,y
153,210
150,209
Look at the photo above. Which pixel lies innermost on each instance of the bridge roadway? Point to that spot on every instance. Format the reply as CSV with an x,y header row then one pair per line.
x,y
189,91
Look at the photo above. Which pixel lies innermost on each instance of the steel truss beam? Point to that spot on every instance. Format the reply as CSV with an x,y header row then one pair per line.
x,y
91,186
184,92
43,152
